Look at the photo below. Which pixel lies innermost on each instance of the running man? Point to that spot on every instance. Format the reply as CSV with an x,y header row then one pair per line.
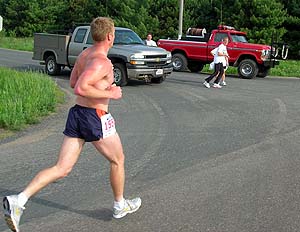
x,y
88,121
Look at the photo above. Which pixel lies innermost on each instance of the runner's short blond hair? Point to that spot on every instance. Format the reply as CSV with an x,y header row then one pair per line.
x,y
100,27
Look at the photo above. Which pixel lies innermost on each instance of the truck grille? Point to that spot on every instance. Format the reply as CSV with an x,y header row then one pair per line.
x,y
156,64
155,56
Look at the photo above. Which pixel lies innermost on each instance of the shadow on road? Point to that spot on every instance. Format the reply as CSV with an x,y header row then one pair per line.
x,y
103,214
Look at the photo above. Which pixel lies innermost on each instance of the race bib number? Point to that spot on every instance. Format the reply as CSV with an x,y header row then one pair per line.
x,y
108,125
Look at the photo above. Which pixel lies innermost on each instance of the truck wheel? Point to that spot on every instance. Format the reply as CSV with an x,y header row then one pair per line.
x,y
179,62
51,67
263,72
120,74
195,66
248,69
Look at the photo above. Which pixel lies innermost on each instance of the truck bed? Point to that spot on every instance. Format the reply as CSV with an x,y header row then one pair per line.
x,y
44,42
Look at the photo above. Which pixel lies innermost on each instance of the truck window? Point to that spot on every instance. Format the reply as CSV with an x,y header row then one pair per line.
x,y
220,36
121,37
239,38
79,37
127,37
89,39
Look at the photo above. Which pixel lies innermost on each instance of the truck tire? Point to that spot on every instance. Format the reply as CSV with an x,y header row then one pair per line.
x,y
195,66
51,67
120,74
263,72
179,62
247,69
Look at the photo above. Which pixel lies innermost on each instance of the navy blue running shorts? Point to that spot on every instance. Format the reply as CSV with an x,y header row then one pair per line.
x,y
84,123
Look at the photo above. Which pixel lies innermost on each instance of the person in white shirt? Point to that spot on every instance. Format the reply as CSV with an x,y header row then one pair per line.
x,y
149,41
225,65
220,58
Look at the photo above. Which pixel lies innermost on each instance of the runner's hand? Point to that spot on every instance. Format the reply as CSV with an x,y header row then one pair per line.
x,y
116,91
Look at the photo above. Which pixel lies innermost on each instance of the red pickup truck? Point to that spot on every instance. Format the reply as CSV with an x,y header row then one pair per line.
x,y
193,51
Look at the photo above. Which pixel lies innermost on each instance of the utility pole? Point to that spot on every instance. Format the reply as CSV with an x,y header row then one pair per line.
x,y
1,23
181,4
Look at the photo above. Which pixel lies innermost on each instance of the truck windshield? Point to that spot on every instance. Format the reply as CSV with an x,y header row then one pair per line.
x,y
238,38
127,37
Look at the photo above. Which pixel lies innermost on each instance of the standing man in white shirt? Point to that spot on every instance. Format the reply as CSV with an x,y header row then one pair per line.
x,y
219,59
149,41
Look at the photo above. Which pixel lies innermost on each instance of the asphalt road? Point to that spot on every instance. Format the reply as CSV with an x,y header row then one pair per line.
x,y
201,159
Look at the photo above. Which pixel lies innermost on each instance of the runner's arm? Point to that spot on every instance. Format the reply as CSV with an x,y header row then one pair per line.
x,y
74,76
96,72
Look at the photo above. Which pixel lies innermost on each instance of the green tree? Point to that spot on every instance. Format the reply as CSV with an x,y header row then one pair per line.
x,y
279,19
24,17
167,13
133,14
82,12
292,25
264,19
202,14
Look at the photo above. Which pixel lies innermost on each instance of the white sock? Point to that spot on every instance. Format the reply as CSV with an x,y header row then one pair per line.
x,y
119,204
22,199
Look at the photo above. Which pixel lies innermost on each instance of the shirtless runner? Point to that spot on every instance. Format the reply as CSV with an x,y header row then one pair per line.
x,y
88,121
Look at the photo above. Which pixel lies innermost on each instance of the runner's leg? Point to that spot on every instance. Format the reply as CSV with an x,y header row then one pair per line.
x,y
112,150
68,156
215,73
221,72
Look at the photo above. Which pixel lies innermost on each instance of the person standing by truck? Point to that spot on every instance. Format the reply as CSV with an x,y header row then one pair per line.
x,y
219,59
149,41
88,121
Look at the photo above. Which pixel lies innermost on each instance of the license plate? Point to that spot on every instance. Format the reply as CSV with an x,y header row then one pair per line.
x,y
159,71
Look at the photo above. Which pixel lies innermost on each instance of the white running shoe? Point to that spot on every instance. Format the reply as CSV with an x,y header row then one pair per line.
x,y
223,83
130,207
218,86
206,84
12,212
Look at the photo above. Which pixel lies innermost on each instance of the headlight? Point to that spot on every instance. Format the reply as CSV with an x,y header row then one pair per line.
x,y
169,57
137,59
137,56
265,54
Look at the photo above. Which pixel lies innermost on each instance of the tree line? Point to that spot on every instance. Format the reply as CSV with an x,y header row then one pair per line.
x,y
263,20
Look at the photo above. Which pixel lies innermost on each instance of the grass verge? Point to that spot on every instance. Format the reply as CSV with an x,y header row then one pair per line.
x,y
25,98
22,44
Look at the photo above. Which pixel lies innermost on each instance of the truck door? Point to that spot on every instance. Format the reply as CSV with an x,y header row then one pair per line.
x,y
77,44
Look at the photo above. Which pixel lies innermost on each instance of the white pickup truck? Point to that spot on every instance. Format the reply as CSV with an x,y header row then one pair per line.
x,y
131,58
